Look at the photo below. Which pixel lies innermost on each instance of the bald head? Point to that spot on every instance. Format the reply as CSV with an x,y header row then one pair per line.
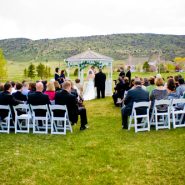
x,y
39,86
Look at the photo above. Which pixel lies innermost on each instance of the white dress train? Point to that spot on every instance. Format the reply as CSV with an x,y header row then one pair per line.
x,y
89,93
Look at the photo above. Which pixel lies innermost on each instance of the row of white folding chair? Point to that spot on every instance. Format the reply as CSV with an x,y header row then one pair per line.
x,y
160,119
175,110
22,121
178,112
5,123
59,125
144,124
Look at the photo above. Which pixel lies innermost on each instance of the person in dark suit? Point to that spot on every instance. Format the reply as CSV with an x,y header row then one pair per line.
x,y
65,97
128,74
122,73
7,99
18,95
57,75
100,79
136,94
39,98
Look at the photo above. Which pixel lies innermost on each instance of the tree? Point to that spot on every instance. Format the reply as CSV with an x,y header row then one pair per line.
x,y
25,73
31,71
40,70
47,72
146,67
3,67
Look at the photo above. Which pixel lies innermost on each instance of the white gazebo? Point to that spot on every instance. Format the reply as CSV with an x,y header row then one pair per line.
x,y
90,57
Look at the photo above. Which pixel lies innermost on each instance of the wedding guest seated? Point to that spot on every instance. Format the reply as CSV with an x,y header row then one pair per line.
x,y
142,83
181,88
127,83
32,87
6,98
50,91
44,84
151,86
137,94
13,86
122,73
176,79
171,88
65,97
119,91
79,87
25,88
38,98
1,87
57,86
18,94
158,93
146,82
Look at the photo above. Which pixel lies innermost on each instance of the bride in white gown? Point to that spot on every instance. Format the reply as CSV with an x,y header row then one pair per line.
x,y
89,93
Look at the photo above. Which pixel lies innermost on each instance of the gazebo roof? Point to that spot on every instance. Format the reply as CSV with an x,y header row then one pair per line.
x,y
88,56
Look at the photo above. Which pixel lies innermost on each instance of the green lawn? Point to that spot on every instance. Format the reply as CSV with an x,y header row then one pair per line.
x,y
102,154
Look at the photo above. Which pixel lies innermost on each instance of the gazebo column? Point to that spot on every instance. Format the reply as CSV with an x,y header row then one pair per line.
x,y
68,72
82,76
79,72
108,90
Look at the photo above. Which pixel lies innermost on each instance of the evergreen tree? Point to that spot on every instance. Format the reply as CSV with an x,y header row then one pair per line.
x,y
47,72
40,70
25,73
3,67
31,71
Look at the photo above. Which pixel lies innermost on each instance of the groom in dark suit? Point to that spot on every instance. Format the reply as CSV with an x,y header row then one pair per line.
x,y
100,79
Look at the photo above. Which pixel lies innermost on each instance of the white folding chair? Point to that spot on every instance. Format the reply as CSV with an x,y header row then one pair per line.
x,y
5,123
22,122
60,124
40,123
161,118
178,113
144,125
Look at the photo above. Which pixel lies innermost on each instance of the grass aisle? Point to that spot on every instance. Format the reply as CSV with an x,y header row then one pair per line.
x,y
102,154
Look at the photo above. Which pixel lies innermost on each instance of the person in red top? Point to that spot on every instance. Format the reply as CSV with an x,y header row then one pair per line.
x,y
50,90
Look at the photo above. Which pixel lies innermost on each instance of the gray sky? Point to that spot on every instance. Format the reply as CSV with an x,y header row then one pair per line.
x,y
37,19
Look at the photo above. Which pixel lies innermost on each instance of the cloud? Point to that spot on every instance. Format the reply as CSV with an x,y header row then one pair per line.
x,y
37,19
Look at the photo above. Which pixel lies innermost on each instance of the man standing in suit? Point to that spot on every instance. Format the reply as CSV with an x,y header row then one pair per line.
x,y
137,94
65,97
100,79
128,74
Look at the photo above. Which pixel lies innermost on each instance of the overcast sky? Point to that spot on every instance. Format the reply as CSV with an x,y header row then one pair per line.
x,y
37,19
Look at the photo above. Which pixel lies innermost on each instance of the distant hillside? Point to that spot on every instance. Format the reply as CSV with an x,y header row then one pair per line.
x,y
116,46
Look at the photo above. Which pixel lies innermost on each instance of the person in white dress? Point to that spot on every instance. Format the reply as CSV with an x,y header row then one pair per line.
x,y
89,93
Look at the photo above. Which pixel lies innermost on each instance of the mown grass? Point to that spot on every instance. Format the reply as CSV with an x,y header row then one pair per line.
x,y
102,154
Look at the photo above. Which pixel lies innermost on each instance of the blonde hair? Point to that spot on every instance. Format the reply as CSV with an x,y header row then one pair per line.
x,y
159,82
50,86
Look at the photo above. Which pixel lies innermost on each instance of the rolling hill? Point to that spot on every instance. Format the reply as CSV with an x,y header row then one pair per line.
x,y
117,46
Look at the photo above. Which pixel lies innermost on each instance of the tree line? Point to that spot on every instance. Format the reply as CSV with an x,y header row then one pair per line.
x,y
42,71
